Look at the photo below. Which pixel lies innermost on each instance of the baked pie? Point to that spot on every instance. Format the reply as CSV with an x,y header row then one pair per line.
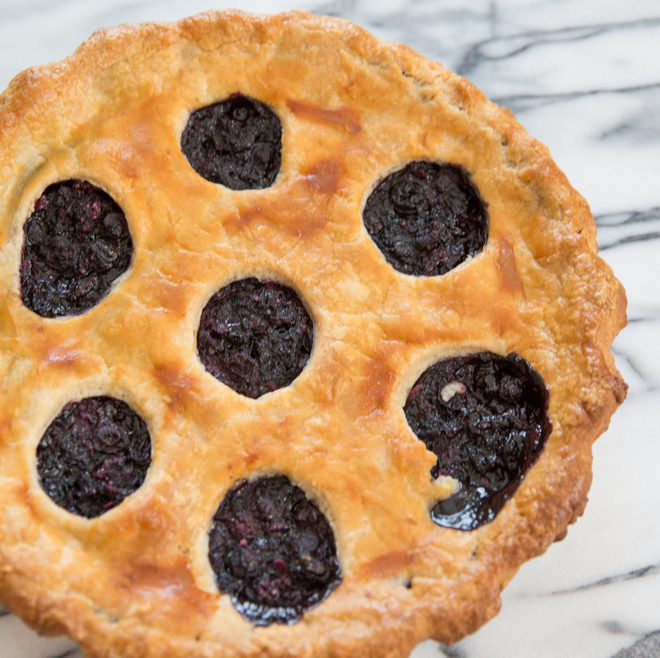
x,y
300,339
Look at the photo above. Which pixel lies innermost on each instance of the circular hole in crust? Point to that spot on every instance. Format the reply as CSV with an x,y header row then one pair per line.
x,y
427,218
93,455
273,551
76,243
485,418
236,143
255,336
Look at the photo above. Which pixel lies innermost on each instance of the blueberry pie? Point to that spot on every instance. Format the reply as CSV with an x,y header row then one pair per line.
x,y
300,339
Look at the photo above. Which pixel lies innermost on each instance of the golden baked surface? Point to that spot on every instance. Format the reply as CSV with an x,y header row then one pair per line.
x,y
136,581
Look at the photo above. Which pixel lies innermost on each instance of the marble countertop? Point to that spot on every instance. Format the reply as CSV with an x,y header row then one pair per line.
x,y
583,76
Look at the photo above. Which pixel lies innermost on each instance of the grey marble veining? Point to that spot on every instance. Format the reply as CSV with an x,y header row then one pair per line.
x,y
583,76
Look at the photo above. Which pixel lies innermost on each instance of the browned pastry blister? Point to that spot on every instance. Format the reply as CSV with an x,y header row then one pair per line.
x,y
326,454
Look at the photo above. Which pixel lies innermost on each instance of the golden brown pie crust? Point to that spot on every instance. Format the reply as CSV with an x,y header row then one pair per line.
x,y
136,581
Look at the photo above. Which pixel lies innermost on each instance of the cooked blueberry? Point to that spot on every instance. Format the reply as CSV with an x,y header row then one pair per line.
x,y
485,418
427,218
273,551
94,454
76,243
255,336
236,143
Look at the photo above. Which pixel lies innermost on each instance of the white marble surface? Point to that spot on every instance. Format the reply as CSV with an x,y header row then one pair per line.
x,y
583,76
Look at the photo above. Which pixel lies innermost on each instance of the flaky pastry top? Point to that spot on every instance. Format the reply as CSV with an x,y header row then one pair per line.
x,y
136,581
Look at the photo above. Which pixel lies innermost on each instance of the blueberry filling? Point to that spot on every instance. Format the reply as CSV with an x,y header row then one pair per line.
x,y
485,418
94,454
255,336
427,218
76,243
273,551
236,143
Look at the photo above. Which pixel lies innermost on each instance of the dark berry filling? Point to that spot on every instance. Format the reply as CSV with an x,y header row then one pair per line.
x,y
427,218
237,143
93,455
76,243
273,551
485,418
255,336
